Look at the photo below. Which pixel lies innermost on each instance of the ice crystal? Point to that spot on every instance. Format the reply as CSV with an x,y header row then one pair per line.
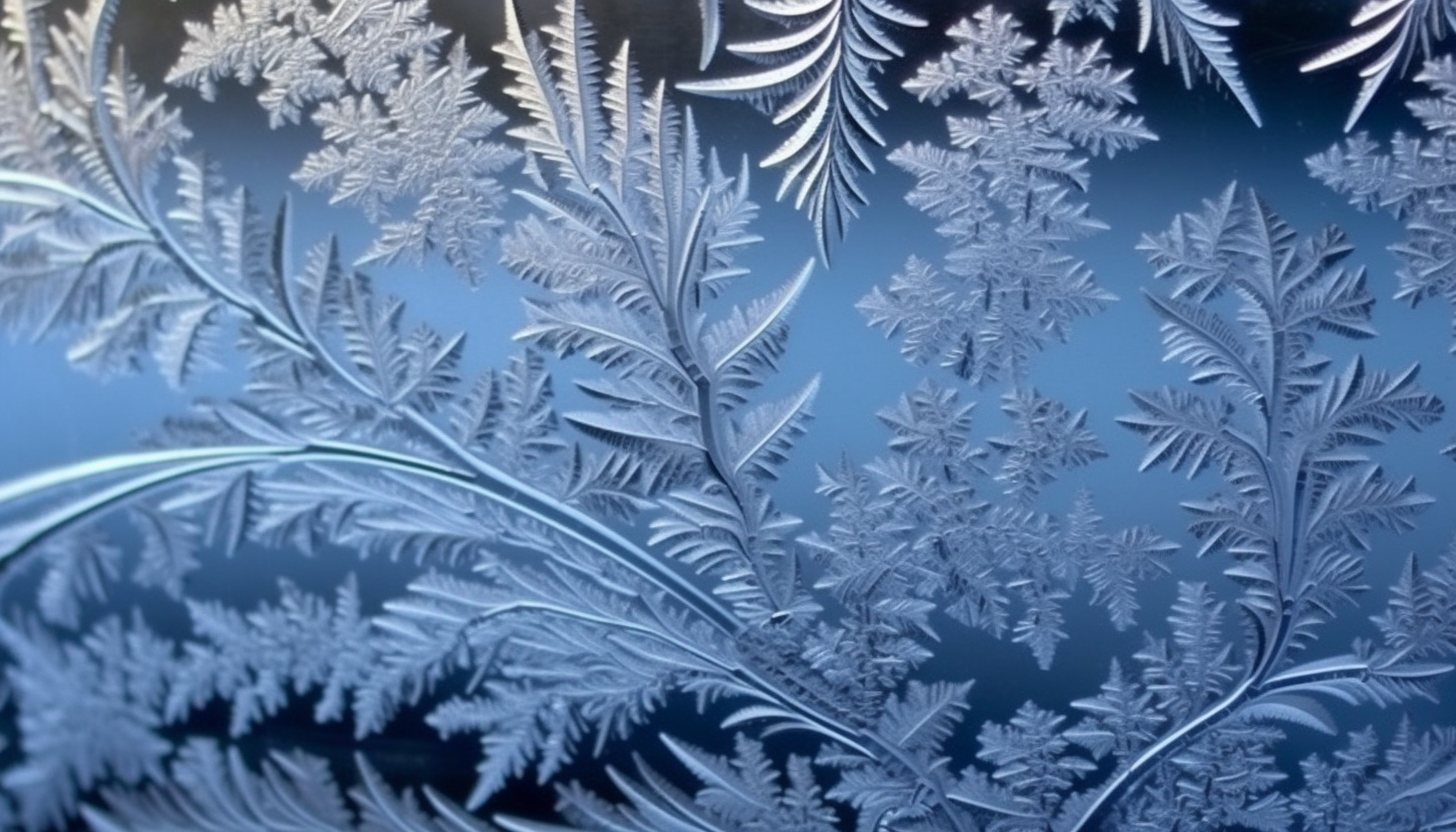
x,y
376,77
1191,32
1412,181
1007,194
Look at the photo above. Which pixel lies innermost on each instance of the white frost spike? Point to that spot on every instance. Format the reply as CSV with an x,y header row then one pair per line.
x,y
712,15
1193,33
1408,26
767,432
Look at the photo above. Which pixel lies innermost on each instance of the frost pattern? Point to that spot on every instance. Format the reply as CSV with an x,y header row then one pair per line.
x,y
379,81
529,622
1000,565
1397,30
211,789
1191,32
1289,440
88,714
1413,181
1007,193
653,229
819,77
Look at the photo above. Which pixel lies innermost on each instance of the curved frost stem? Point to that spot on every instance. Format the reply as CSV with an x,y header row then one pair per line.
x,y
752,685
19,537
33,485
1294,678
61,189
559,611
1156,753
141,203
182,463
1255,685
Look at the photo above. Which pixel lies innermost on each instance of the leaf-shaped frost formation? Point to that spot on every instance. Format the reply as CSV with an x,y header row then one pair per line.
x,y
818,77
1294,449
1194,34
79,569
1307,423
1032,758
1191,32
255,661
639,234
1121,719
924,718
1362,788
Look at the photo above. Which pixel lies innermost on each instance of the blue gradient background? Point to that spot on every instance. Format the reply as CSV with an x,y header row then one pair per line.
x,y
51,414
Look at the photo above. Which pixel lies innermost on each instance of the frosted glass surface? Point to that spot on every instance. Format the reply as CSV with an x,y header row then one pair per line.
x,y
792,415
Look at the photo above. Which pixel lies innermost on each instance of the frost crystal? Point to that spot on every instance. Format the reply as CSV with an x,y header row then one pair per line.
x,y
819,77
1007,194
